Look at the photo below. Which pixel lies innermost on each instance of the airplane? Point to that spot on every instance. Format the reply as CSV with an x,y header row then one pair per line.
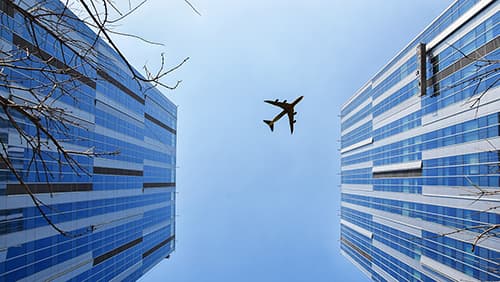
x,y
287,109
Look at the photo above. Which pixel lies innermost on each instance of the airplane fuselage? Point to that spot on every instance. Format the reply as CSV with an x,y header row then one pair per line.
x,y
278,116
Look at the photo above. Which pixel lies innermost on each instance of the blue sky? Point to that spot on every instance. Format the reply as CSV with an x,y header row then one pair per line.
x,y
255,205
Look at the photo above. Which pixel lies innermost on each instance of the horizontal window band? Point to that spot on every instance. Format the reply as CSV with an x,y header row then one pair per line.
x,y
356,228
51,60
159,123
445,270
158,184
399,173
120,86
155,248
38,188
116,251
117,171
398,167
356,248
357,145
465,61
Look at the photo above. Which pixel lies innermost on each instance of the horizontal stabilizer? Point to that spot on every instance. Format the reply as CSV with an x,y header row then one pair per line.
x,y
270,123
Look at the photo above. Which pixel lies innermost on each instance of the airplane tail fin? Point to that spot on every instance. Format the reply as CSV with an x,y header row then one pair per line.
x,y
270,123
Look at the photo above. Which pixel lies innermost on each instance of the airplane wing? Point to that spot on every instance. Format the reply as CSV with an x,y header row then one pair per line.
x,y
277,103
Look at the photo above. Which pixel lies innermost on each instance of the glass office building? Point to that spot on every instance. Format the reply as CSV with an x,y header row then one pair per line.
x,y
118,209
420,153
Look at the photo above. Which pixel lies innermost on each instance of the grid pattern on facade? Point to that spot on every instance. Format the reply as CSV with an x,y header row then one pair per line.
x,y
412,165
120,226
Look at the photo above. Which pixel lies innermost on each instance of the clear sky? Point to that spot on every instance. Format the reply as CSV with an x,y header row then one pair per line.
x,y
255,205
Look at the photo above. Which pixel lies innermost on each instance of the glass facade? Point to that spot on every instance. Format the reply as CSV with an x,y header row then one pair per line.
x,y
117,209
421,173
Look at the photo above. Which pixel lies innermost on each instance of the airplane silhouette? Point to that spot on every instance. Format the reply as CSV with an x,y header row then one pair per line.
x,y
287,109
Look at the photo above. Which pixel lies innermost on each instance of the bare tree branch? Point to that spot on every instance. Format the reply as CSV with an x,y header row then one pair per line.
x,y
192,7
36,82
